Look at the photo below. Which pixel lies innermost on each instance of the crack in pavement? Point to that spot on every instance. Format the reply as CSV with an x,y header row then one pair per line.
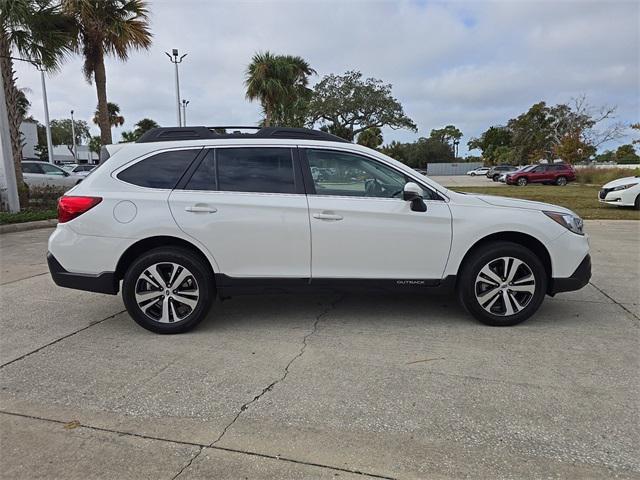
x,y
269,387
188,464
614,301
202,446
25,278
22,357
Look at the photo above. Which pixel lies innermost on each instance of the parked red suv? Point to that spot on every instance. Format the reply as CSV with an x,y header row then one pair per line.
x,y
551,173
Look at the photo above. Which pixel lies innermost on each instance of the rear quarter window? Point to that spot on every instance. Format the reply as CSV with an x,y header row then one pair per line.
x,y
162,170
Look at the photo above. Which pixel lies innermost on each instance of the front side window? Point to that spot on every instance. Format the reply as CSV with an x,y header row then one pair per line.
x,y
262,170
346,174
162,170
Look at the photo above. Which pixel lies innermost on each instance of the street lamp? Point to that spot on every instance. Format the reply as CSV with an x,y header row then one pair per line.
x,y
73,138
184,112
46,113
176,59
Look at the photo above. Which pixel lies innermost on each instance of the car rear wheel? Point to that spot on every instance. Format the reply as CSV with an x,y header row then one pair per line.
x,y
522,181
502,284
168,290
561,181
636,204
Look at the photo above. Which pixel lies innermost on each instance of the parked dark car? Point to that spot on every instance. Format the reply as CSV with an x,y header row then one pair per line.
x,y
552,173
497,170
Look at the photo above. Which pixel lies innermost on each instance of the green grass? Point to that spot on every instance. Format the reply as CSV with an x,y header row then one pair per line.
x,y
26,216
582,199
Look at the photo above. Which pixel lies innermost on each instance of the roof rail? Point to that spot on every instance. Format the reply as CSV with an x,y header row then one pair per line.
x,y
167,134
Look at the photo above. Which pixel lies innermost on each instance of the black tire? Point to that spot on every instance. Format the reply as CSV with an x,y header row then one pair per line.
x,y
522,181
561,181
473,174
636,204
183,258
467,287
496,177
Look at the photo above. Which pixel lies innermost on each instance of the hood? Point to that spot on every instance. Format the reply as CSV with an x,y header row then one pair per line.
x,y
621,181
517,203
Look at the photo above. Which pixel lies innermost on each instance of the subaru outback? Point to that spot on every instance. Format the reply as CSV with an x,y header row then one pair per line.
x,y
187,215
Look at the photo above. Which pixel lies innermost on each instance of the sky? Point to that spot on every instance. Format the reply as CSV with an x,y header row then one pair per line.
x,y
471,64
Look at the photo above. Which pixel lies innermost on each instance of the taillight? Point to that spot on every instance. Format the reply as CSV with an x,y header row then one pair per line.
x,y
70,207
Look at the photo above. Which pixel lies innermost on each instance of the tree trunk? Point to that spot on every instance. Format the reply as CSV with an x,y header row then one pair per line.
x,y
15,119
267,115
103,110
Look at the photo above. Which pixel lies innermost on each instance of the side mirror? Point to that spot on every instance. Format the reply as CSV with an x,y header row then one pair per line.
x,y
413,193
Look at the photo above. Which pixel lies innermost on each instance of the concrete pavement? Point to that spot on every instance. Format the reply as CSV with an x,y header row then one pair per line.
x,y
321,386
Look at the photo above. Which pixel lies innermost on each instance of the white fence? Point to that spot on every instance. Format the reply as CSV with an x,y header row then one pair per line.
x,y
459,168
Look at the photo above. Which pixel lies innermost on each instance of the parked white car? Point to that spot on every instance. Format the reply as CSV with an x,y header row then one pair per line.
x,y
82,169
40,174
478,171
175,223
624,192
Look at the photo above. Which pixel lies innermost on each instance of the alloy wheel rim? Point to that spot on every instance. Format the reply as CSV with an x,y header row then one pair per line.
x,y
505,286
167,292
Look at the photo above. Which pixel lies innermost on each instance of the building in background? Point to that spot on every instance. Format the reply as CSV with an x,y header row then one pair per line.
x,y
61,153
29,131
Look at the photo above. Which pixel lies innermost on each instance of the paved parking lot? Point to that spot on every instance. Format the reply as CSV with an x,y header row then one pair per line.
x,y
321,386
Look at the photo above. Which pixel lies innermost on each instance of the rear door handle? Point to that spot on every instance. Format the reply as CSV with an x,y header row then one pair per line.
x,y
327,216
200,209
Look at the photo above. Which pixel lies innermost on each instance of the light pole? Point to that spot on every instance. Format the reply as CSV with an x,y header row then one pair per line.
x,y
176,59
184,112
73,138
7,168
46,114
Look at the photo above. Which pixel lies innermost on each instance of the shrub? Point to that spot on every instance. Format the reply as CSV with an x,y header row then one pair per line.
x,y
45,198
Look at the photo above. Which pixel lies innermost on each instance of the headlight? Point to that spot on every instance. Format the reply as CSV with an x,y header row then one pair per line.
x,y
623,187
568,221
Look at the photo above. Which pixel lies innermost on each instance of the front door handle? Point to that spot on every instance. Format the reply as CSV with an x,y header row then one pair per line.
x,y
200,209
327,216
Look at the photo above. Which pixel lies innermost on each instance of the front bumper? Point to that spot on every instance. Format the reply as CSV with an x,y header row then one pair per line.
x,y
104,282
576,281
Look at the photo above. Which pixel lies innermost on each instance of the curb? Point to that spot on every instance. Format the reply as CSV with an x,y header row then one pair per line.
x,y
23,227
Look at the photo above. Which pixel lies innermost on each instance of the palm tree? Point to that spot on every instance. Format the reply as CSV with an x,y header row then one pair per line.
x,y
108,27
115,119
38,31
129,136
371,137
145,125
278,82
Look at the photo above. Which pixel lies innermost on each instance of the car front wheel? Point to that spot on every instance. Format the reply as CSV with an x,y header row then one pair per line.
x,y
522,181
168,290
502,284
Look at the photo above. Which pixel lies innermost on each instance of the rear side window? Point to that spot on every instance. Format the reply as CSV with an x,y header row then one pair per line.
x,y
159,171
259,170
204,178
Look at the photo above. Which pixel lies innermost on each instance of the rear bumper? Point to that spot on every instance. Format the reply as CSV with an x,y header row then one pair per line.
x,y
104,282
576,281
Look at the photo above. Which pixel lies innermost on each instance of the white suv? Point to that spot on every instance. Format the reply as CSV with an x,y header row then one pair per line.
x,y
188,214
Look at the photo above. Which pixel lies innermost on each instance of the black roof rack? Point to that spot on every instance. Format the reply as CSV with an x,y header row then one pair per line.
x,y
167,134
